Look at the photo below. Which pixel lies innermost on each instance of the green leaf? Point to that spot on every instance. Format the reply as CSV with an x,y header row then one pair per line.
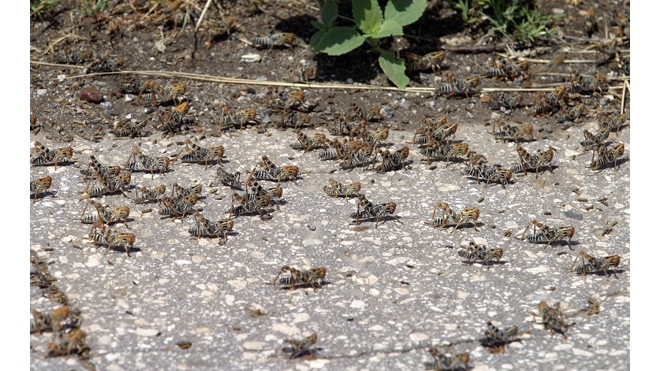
x,y
367,15
338,41
388,28
316,38
320,26
404,12
395,69
329,13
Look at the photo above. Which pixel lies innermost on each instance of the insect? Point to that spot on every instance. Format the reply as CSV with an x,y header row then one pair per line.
x,y
548,234
450,362
480,253
294,100
142,162
130,128
371,211
304,142
235,119
144,194
458,86
592,141
149,90
230,180
274,39
41,155
66,343
507,132
357,156
533,162
177,207
206,228
553,318
39,186
374,138
592,264
336,189
430,61
347,127
451,217
275,173
390,161
590,25
605,157
74,57
295,120
247,206
256,190
488,174
299,348
448,151
613,122
176,120
50,320
107,185
571,114
313,277
105,172
506,101
196,153
106,214
219,28
497,339
109,237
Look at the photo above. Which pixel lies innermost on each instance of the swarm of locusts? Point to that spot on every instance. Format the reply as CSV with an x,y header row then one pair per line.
x,y
359,144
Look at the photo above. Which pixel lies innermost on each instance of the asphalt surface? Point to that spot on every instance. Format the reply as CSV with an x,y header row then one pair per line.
x,y
390,292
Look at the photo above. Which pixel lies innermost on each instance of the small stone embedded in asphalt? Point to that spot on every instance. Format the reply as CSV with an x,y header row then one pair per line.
x,y
92,95
572,215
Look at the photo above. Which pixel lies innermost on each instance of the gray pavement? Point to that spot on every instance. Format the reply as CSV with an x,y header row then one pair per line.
x,y
390,293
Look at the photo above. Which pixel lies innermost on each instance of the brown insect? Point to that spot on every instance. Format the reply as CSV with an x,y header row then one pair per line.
x,y
553,318
480,253
430,61
313,277
533,162
109,237
249,206
142,162
106,214
371,211
451,217
605,157
40,185
458,86
206,228
298,348
235,119
177,207
451,362
275,173
336,189
391,161
144,194
592,264
506,132
66,343
497,339
196,153
41,155
548,234
274,39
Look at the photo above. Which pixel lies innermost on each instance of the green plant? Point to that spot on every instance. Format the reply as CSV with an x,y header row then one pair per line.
x,y
374,24
92,8
39,8
522,22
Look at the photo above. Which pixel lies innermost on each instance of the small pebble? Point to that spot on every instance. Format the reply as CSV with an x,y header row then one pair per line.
x,y
92,95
